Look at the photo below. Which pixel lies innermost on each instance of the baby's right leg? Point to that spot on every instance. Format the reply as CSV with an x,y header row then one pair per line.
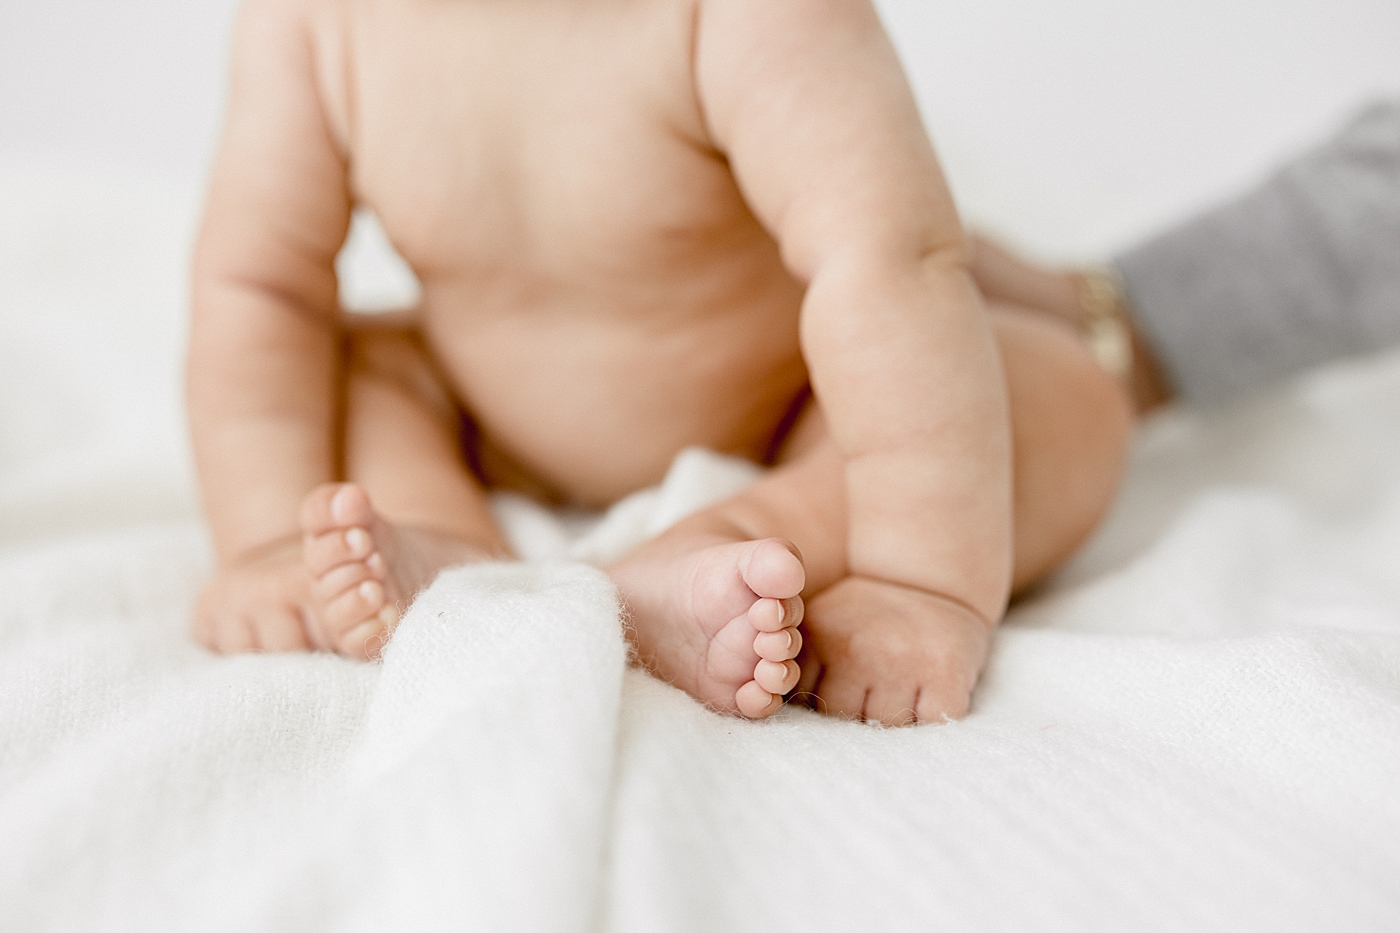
x,y
410,506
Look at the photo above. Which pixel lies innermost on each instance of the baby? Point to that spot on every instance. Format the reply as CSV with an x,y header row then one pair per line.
x,y
640,225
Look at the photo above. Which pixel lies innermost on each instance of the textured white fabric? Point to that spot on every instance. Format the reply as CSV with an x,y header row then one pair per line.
x,y
1195,727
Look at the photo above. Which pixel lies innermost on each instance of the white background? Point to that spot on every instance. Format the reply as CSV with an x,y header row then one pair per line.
x,y
1071,128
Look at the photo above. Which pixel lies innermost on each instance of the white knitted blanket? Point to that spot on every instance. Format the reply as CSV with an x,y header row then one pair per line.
x,y
1195,727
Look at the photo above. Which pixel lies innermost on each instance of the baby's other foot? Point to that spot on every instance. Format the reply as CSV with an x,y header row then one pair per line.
x,y
364,569
717,617
882,652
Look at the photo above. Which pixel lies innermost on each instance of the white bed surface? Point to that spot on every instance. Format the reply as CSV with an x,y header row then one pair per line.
x,y
1195,728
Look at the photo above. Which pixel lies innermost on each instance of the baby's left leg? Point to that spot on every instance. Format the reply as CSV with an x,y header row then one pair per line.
x,y
877,650
409,505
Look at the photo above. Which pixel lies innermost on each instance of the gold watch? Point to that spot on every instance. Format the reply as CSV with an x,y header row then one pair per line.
x,y
1103,307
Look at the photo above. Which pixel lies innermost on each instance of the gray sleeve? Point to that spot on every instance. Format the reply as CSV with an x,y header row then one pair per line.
x,y
1302,270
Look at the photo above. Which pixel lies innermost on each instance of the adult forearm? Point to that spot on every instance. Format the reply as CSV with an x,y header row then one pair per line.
x,y
1299,271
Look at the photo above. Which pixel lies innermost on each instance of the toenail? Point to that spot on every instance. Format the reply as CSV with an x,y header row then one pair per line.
x,y
778,622
364,634
369,591
336,505
375,562
357,540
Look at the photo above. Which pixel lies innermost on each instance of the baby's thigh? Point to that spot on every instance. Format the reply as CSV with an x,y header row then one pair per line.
x,y
1071,425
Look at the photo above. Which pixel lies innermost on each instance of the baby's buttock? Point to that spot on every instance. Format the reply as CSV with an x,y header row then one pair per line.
x,y
585,411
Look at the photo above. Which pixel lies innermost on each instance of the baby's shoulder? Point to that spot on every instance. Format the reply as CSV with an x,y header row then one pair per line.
x,y
267,19
282,48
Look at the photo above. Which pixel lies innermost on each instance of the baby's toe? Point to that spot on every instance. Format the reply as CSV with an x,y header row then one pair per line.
x,y
942,705
841,697
316,517
330,585
367,640
775,676
335,505
773,615
330,549
351,609
773,568
753,702
891,708
782,645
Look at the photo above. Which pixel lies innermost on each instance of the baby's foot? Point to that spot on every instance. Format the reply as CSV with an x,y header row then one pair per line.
x,y
717,617
365,570
882,652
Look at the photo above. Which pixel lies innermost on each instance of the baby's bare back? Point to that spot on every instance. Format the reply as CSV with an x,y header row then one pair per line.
x,y
596,289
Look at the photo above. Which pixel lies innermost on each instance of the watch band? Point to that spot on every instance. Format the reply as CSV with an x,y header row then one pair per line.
x,y
1103,309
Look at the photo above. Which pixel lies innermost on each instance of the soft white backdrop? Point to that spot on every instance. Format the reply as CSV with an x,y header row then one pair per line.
x,y
1070,127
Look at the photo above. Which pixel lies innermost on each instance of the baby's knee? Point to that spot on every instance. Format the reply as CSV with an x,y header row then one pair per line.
x,y
1072,423
1104,410
1095,434
1062,398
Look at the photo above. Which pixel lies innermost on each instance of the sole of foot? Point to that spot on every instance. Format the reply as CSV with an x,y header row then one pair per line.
x,y
718,618
365,569
355,593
